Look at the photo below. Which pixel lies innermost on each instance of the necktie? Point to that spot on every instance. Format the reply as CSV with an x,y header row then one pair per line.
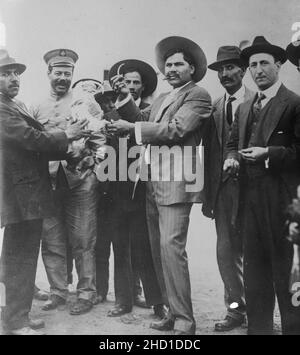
x,y
229,109
258,105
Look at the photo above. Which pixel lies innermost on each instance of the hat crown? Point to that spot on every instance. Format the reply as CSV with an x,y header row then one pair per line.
x,y
61,57
260,40
5,59
228,52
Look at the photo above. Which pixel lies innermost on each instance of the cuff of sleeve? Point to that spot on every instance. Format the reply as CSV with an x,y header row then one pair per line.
x,y
138,133
121,103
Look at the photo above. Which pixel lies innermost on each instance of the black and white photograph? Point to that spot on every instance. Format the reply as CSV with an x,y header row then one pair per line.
x,y
149,167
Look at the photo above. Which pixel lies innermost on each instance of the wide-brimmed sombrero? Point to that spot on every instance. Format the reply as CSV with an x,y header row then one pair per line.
x,y
188,46
148,74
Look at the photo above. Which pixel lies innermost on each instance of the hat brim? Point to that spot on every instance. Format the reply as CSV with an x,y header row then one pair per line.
x,y
86,79
188,46
276,51
293,53
148,74
216,65
20,67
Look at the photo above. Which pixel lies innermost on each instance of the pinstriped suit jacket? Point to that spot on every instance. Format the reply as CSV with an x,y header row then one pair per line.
x,y
181,124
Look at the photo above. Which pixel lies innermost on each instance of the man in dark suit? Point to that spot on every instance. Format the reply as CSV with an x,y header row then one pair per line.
x,y
174,120
124,220
26,197
265,149
222,192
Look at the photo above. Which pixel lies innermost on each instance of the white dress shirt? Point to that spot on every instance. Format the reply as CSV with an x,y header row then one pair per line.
x,y
239,98
270,93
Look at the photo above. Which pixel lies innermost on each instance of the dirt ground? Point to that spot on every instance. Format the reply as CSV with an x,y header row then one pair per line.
x,y
207,295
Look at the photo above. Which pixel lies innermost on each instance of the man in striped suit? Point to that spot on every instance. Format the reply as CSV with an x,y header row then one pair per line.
x,y
175,120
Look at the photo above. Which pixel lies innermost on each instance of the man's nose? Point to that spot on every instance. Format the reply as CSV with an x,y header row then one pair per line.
x,y
14,77
224,72
258,68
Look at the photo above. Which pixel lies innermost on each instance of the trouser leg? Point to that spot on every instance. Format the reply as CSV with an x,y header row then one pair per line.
x,y
81,223
229,253
20,250
154,238
104,238
141,257
54,241
173,224
122,259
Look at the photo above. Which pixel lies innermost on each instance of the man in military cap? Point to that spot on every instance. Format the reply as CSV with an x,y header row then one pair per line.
x,y
26,196
75,186
222,192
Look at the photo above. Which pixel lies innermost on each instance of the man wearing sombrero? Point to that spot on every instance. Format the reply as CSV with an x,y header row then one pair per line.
x,y
26,197
174,119
126,225
75,188
221,192
265,149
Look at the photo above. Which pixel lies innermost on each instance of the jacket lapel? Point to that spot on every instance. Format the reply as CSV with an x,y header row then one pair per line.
x,y
244,110
174,99
219,117
27,116
278,105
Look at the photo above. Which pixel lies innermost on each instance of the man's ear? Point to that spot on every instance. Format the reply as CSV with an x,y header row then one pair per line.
x,y
278,64
192,69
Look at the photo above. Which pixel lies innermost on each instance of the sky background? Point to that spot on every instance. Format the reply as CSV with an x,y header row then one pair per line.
x,y
105,31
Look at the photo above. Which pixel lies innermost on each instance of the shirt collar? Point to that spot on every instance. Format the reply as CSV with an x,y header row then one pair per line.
x,y
56,97
175,91
271,91
239,95
138,102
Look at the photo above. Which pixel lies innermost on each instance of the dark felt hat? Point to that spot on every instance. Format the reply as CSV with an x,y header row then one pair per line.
x,y
227,54
261,45
7,62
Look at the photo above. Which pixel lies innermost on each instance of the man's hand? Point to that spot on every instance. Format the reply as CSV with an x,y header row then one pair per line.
x,y
120,127
76,130
119,86
231,166
254,153
293,228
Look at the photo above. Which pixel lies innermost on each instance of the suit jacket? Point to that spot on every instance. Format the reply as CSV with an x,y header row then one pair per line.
x,y
214,146
122,191
180,124
25,148
281,133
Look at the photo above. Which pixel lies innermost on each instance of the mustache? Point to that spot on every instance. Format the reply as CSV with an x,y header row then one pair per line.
x,y
224,80
62,82
168,76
